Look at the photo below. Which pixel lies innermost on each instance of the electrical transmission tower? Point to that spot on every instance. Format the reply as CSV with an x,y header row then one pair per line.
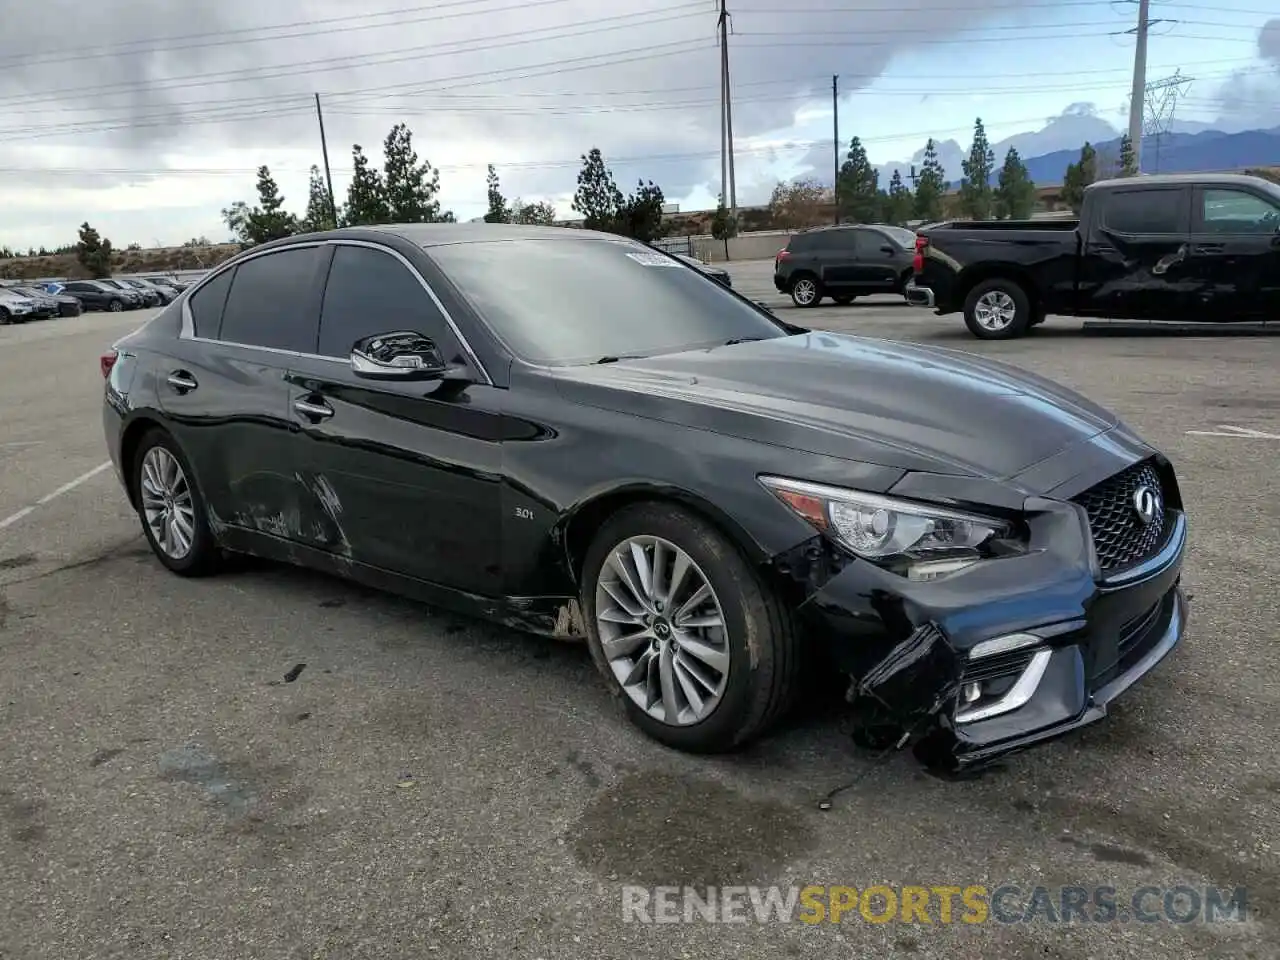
x,y
1160,102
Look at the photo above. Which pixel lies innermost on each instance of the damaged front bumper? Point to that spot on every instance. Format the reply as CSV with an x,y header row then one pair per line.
x,y
1006,654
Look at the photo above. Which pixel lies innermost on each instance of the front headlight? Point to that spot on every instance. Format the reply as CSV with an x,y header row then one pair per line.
x,y
919,540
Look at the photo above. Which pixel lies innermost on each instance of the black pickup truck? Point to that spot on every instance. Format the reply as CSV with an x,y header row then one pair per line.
x,y
1185,247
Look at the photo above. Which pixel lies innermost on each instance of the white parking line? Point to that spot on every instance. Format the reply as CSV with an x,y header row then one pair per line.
x,y
65,488
1238,433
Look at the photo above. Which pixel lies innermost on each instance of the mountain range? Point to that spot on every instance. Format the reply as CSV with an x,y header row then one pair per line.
x,y
1189,147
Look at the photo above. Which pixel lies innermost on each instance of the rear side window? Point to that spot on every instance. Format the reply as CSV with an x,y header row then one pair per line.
x,y
270,302
371,292
1145,211
803,243
206,304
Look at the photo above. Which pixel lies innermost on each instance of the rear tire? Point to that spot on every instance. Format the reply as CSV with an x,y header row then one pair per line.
x,y
169,505
642,644
806,291
997,309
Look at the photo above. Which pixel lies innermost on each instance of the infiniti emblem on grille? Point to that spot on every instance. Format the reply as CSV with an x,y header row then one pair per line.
x,y
1146,502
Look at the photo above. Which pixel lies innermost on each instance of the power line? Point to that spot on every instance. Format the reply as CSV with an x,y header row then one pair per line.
x,y
219,38
765,149
607,24
276,107
385,58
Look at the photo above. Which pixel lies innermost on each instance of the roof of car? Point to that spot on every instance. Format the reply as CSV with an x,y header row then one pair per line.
x,y
1203,179
438,234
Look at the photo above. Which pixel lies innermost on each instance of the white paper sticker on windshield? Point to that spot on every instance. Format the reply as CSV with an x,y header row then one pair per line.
x,y
653,260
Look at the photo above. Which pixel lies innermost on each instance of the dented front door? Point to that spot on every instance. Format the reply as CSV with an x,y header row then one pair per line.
x,y
403,476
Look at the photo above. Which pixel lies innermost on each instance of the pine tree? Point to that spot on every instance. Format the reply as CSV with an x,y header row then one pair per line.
x,y
930,186
724,225
94,252
269,220
1078,176
858,187
975,188
899,203
319,215
411,187
597,198
1128,159
642,213
1015,197
366,195
499,211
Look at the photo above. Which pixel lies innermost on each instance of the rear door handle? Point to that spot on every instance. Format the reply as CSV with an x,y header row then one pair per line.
x,y
313,411
1210,247
182,381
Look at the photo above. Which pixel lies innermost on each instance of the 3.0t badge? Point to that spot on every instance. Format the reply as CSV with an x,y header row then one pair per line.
x,y
1147,504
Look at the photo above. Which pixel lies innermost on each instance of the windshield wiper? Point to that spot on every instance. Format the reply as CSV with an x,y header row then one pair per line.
x,y
730,343
613,359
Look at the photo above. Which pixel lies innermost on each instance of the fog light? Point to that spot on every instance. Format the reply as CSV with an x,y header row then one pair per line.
x,y
971,692
1005,644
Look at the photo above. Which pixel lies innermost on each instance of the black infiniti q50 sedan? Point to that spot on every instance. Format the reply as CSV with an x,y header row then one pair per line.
x,y
713,498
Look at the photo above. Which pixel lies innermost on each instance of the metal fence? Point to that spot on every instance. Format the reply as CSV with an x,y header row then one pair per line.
x,y
682,245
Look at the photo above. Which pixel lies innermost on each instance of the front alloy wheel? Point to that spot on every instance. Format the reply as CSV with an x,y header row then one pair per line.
x,y
662,630
689,636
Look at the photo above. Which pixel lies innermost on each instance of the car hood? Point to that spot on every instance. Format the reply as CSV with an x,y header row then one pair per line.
x,y
877,401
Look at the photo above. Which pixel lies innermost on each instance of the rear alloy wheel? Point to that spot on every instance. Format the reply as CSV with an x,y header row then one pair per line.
x,y
997,310
115,306
806,292
670,606
171,508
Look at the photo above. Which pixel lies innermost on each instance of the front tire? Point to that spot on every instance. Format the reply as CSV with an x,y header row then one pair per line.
x,y
115,306
806,291
844,300
173,513
699,649
998,309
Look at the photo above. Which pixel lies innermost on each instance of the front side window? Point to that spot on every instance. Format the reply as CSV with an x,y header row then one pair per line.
x,y
269,304
560,301
370,292
1234,211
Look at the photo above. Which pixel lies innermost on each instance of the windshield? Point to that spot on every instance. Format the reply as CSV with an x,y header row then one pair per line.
x,y
560,301
901,236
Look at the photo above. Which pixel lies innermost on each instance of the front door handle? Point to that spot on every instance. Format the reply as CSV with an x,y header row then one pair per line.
x,y
182,381
312,410
1203,248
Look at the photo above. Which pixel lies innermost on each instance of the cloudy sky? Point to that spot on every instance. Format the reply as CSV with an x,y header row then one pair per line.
x,y
157,125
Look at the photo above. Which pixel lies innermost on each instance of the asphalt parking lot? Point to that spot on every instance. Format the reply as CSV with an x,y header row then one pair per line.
x,y
427,785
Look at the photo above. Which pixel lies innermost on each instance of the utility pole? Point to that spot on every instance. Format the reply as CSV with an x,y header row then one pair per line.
x,y
727,93
1137,96
835,144
324,148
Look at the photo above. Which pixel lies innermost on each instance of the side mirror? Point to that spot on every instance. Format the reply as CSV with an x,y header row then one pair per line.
x,y
398,356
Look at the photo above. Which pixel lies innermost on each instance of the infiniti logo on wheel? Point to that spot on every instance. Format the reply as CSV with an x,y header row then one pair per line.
x,y
1147,503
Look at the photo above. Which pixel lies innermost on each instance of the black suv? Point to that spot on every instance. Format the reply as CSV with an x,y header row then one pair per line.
x,y
844,262
97,295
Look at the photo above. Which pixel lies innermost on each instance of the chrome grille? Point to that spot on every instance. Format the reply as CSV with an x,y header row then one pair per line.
x,y
1120,537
